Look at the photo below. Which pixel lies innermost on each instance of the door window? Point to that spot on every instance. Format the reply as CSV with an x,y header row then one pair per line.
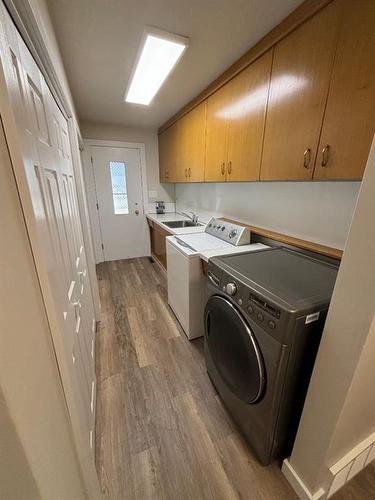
x,y
119,187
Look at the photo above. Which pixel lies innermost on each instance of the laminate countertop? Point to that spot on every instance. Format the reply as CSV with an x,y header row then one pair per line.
x,y
207,254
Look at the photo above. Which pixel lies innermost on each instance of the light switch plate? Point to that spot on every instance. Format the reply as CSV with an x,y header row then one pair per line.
x,y
152,195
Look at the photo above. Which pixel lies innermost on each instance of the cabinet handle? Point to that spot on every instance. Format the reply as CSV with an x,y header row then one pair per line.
x,y
186,174
325,155
306,157
189,172
223,168
229,167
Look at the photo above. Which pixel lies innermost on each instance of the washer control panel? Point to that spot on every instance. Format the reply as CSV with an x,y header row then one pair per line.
x,y
259,310
232,233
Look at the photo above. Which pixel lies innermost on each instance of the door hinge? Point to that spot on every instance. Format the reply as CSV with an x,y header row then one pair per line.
x,y
97,206
92,162
102,246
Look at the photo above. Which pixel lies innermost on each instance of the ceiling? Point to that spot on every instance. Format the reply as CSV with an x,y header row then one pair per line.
x,y
99,40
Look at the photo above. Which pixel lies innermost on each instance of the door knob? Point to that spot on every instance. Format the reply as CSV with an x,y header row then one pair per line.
x,y
136,212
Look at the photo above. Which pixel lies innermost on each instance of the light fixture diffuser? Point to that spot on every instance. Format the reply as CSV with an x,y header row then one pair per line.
x,y
157,56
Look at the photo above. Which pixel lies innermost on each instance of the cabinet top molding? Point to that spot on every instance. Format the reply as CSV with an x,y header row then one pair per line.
x,y
301,14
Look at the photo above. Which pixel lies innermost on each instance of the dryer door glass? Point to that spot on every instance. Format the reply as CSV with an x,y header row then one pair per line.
x,y
234,349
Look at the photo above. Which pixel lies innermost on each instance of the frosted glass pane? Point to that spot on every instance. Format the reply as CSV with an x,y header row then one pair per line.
x,y
119,188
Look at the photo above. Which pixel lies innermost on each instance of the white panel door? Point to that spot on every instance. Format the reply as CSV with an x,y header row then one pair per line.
x,y
48,169
118,182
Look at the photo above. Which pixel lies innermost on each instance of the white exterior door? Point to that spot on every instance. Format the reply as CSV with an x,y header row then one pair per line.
x,y
118,184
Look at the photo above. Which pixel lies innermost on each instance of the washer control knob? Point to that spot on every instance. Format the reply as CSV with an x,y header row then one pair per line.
x,y
231,289
233,233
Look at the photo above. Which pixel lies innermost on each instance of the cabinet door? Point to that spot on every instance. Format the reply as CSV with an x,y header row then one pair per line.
x,y
246,119
192,142
349,122
300,79
163,155
159,243
168,154
216,134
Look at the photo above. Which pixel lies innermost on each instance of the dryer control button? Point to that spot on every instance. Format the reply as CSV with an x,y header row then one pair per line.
x,y
231,289
272,325
260,316
240,302
250,309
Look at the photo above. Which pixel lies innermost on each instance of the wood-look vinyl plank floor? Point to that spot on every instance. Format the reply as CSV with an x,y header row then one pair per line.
x,y
162,432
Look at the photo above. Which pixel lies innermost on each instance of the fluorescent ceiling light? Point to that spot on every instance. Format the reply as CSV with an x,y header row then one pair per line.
x,y
157,56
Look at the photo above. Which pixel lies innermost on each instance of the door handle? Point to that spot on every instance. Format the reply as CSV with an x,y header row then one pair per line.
x,y
136,212
186,172
223,168
189,171
306,157
325,155
229,167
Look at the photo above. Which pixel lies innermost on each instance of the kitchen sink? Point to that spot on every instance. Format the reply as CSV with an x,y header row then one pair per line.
x,y
182,223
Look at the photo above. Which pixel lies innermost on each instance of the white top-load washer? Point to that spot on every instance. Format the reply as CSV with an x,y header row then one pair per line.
x,y
186,281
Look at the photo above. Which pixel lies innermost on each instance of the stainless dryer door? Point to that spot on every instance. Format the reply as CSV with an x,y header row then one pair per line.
x,y
234,349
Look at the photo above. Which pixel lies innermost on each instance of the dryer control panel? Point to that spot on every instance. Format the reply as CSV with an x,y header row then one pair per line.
x,y
226,231
266,314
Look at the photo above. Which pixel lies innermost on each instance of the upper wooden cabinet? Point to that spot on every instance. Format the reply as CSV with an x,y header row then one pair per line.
x,y
302,109
349,122
192,141
300,80
246,119
235,124
169,154
216,135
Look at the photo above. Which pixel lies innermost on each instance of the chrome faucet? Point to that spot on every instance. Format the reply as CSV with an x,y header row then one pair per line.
x,y
192,217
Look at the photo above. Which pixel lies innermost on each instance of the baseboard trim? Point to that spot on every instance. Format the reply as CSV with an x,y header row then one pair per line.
x,y
298,485
351,464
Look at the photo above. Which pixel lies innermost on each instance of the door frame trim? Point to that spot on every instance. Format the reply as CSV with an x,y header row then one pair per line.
x,y
91,190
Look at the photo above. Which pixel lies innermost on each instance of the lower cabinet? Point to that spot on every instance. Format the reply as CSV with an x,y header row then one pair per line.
x,y
158,243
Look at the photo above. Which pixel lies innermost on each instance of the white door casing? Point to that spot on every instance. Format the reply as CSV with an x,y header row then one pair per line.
x,y
123,231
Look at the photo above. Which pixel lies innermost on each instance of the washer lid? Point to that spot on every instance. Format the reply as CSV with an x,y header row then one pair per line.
x,y
202,241
234,350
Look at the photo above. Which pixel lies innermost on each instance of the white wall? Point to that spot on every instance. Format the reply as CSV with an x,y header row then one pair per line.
x,y
108,132
316,211
339,411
